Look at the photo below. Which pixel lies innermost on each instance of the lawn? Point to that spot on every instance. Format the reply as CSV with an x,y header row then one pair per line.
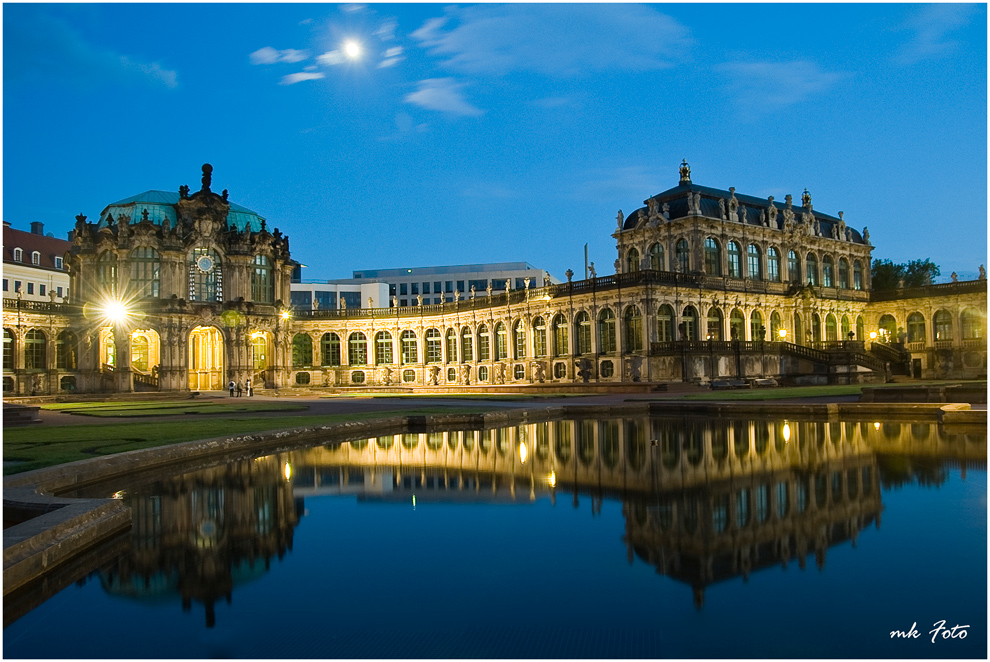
x,y
787,392
128,409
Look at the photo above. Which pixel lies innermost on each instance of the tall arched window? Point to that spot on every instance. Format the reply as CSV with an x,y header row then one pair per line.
x,y
793,267
559,326
262,280
633,322
408,347
140,350
776,324
302,350
665,323
35,350
816,327
828,272
501,343
259,352
106,270
735,260
942,323
857,275
753,262
8,349
484,344
843,273
519,337
812,267
683,254
205,275
66,351
916,327
606,331
887,326
582,326
713,329
145,272
860,328
689,326
773,265
737,325
845,328
713,257
451,339
330,349
656,257
632,261
434,346
539,337
798,328
972,324
467,345
383,348
357,349
756,329
831,328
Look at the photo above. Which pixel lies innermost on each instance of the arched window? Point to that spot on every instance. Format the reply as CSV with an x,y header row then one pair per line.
x,y
330,349
106,271
302,350
66,351
713,329
845,327
467,345
972,324
942,323
36,258
501,343
145,272
451,346
18,254
798,338
776,324
831,328
916,327
205,275
8,349
434,346
753,262
582,326
262,280
857,275
756,329
665,323
383,348
737,325
828,272
735,260
793,267
606,331
713,257
409,350
683,254
812,267
773,265
689,327
139,352
35,350
259,352
860,328
484,344
539,337
816,327
633,323
887,326
632,261
559,327
843,273
519,336
656,257
357,349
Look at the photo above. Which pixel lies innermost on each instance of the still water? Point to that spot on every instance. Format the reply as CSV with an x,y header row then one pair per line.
x,y
639,537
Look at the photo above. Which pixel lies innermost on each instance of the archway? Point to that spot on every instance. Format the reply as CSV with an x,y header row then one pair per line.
x,y
206,372
145,351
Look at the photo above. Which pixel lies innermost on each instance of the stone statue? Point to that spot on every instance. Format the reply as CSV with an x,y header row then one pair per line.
x,y
371,302
806,199
419,297
772,212
666,211
618,265
499,373
224,195
721,209
591,270
619,219
207,176
697,203
343,304
466,375
395,302
983,273
546,280
434,375
316,303
144,214
653,206
763,217
386,376
539,372
733,205
955,277
183,192
472,291
489,289
866,235
584,372
508,285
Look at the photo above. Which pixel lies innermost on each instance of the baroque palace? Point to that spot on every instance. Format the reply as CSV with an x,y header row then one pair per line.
x,y
174,291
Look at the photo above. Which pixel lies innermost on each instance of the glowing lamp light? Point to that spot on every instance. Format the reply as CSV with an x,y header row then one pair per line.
x,y
115,311
873,335
786,432
876,426
287,470
352,49
522,453
552,479
782,333
285,314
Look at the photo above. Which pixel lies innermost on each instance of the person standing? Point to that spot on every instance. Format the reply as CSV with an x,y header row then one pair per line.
x,y
247,387
238,389
231,387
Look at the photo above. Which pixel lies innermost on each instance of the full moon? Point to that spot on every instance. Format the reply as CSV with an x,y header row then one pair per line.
x,y
352,49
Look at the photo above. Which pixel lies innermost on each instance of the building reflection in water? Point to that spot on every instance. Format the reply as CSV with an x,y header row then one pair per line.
x,y
703,501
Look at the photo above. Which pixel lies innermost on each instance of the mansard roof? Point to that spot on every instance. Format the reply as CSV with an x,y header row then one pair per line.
x,y
161,205
749,208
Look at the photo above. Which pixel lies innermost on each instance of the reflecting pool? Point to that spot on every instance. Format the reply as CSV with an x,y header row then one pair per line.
x,y
634,537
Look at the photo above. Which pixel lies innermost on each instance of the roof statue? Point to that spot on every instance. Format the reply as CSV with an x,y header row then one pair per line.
x,y
619,218
806,199
207,176
685,172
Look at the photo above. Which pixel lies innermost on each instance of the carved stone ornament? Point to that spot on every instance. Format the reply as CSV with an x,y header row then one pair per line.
x,y
619,218
772,212
721,209
666,211
685,171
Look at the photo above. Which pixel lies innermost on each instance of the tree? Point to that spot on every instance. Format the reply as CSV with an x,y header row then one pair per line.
x,y
887,275
919,273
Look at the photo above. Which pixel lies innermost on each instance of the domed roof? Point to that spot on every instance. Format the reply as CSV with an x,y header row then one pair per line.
x,y
161,205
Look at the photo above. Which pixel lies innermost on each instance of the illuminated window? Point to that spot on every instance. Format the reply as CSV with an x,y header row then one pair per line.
x,y
383,348
145,271
606,331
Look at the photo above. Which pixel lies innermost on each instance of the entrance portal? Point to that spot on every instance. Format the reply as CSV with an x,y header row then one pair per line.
x,y
206,359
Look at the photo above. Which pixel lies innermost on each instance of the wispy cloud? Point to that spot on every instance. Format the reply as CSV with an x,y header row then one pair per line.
x,y
443,94
762,87
332,58
291,79
269,55
554,39
623,183
41,46
932,25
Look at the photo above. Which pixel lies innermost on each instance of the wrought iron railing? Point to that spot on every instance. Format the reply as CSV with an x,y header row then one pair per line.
x,y
941,289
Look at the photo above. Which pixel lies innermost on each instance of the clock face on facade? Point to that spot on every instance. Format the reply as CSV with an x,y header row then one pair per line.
x,y
205,263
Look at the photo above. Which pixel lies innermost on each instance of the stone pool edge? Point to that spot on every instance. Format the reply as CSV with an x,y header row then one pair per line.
x,y
70,526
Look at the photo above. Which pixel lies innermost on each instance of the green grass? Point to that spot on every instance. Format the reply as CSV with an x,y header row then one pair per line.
x,y
459,396
787,392
128,409
37,447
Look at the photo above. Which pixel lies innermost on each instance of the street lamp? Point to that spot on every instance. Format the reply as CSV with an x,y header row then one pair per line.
x,y
783,334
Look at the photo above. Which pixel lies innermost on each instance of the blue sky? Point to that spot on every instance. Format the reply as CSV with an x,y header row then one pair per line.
x,y
489,133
